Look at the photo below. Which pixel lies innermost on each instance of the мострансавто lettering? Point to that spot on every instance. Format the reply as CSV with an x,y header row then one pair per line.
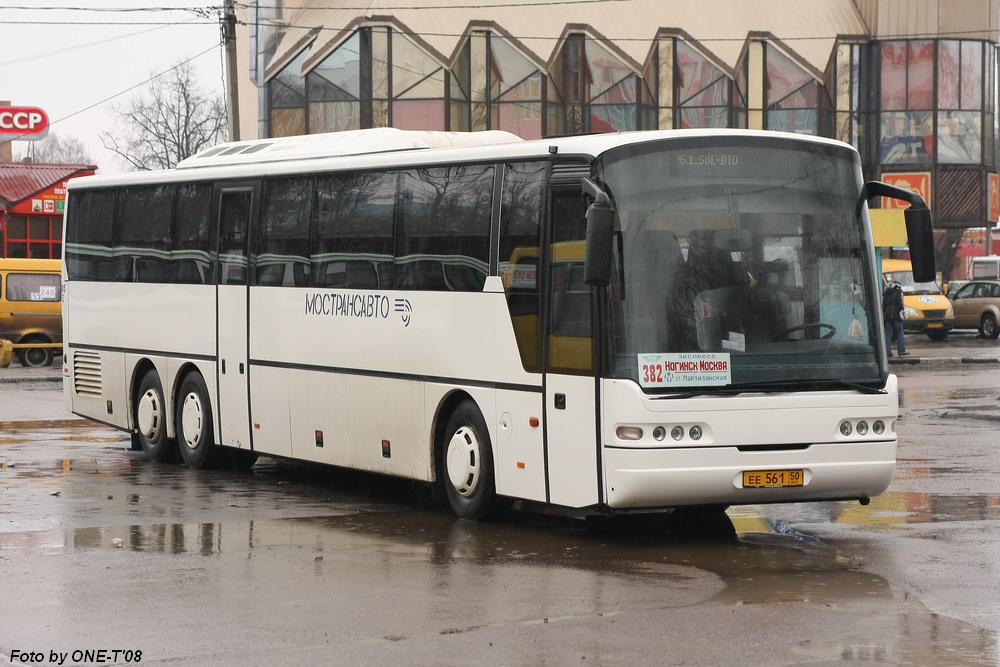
x,y
348,305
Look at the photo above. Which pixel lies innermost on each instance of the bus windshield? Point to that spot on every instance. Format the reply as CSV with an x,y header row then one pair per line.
x,y
905,280
748,254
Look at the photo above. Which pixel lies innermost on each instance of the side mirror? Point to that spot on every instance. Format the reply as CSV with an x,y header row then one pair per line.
x,y
600,236
920,237
919,228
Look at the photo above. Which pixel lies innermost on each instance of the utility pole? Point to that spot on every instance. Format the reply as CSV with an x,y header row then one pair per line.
x,y
232,91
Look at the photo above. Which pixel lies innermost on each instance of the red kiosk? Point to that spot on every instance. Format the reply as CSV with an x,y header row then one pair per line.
x,y
32,202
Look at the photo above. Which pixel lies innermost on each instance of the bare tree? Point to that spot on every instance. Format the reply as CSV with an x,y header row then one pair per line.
x,y
172,120
56,148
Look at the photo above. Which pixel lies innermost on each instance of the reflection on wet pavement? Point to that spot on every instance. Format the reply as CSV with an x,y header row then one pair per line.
x,y
288,541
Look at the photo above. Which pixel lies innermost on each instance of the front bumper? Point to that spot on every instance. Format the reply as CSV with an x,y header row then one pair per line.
x,y
653,478
924,326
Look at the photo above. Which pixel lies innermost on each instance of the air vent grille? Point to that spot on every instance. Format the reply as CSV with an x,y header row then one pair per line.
x,y
87,373
569,172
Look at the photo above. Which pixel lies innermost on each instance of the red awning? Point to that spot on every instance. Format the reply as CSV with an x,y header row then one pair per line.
x,y
20,180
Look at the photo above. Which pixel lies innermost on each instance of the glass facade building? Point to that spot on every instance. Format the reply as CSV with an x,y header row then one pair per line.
x,y
909,105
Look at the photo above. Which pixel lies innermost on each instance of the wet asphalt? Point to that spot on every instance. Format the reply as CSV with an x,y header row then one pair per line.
x,y
295,563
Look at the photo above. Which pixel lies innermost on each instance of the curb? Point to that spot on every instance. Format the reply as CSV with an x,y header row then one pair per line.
x,y
30,380
46,423
943,361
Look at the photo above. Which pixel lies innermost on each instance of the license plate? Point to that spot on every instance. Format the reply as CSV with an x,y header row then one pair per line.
x,y
753,479
935,325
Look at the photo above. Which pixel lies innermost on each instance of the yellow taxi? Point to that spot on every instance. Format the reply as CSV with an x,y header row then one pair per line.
x,y
31,307
925,307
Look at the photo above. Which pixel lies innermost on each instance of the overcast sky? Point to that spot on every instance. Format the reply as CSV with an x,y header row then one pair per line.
x,y
52,66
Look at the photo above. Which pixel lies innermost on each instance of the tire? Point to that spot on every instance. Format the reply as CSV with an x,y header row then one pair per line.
x,y
36,358
149,414
194,425
937,336
988,326
465,464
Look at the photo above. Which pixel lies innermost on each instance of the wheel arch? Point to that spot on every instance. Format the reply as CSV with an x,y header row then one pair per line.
x,y
143,366
448,403
40,334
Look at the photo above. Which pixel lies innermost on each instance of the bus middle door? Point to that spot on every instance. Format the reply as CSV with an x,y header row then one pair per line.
x,y
237,209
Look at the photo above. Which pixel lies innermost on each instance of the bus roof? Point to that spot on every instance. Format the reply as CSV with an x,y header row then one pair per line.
x,y
388,148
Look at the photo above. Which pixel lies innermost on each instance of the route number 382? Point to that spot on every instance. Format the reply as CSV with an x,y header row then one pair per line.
x,y
652,373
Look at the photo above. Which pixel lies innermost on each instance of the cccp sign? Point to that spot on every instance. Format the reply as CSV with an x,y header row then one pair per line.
x,y
27,123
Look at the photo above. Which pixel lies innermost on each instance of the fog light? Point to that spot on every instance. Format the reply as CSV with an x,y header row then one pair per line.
x,y
677,432
862,428
659,433
695,432
629,432
878,428
845,429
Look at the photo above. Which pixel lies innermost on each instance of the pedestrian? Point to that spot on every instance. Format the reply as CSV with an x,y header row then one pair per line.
x,y
892,316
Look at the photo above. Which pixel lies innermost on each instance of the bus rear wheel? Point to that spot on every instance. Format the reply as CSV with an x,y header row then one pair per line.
x,y
193,422
149,417
465,458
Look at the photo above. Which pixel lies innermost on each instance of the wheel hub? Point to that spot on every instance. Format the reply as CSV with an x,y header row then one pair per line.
x,y
192,420
149,414
462,461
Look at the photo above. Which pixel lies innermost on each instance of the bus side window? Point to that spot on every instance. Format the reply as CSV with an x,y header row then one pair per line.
x,y
144,215
352,218
443,228
190,259
89,236
569,330
283,239
523,207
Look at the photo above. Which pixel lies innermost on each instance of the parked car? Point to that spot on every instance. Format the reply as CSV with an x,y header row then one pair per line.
x,y
31,306
977,306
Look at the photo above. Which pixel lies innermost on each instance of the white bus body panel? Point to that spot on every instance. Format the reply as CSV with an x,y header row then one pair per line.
x,y
162,323
377,373
650,473
572,434
519,449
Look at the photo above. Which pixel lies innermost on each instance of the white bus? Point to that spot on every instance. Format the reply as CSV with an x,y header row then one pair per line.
x,y
432,306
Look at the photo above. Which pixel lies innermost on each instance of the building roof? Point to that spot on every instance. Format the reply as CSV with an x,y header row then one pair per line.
x,y
807,28
20,180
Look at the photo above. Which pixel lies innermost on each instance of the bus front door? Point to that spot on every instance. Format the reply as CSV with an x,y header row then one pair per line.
x,y
237,205
570,385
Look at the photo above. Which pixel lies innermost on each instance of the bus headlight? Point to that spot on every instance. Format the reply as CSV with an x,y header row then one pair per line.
x,y
695,432
845,428
629,433
878,428
659,433
862,427
911,314
677,432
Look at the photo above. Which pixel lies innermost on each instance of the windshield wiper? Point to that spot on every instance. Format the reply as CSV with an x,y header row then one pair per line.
x,y
773,387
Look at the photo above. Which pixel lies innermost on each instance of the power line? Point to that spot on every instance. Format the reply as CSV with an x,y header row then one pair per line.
x,y
414,33
365,8
75,47
134,86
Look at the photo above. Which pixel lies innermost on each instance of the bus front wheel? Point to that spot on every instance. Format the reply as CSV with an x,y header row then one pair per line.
x,y
465,458
193,422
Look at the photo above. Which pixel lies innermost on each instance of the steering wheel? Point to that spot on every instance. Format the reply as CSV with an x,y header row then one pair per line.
x,y
783,336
